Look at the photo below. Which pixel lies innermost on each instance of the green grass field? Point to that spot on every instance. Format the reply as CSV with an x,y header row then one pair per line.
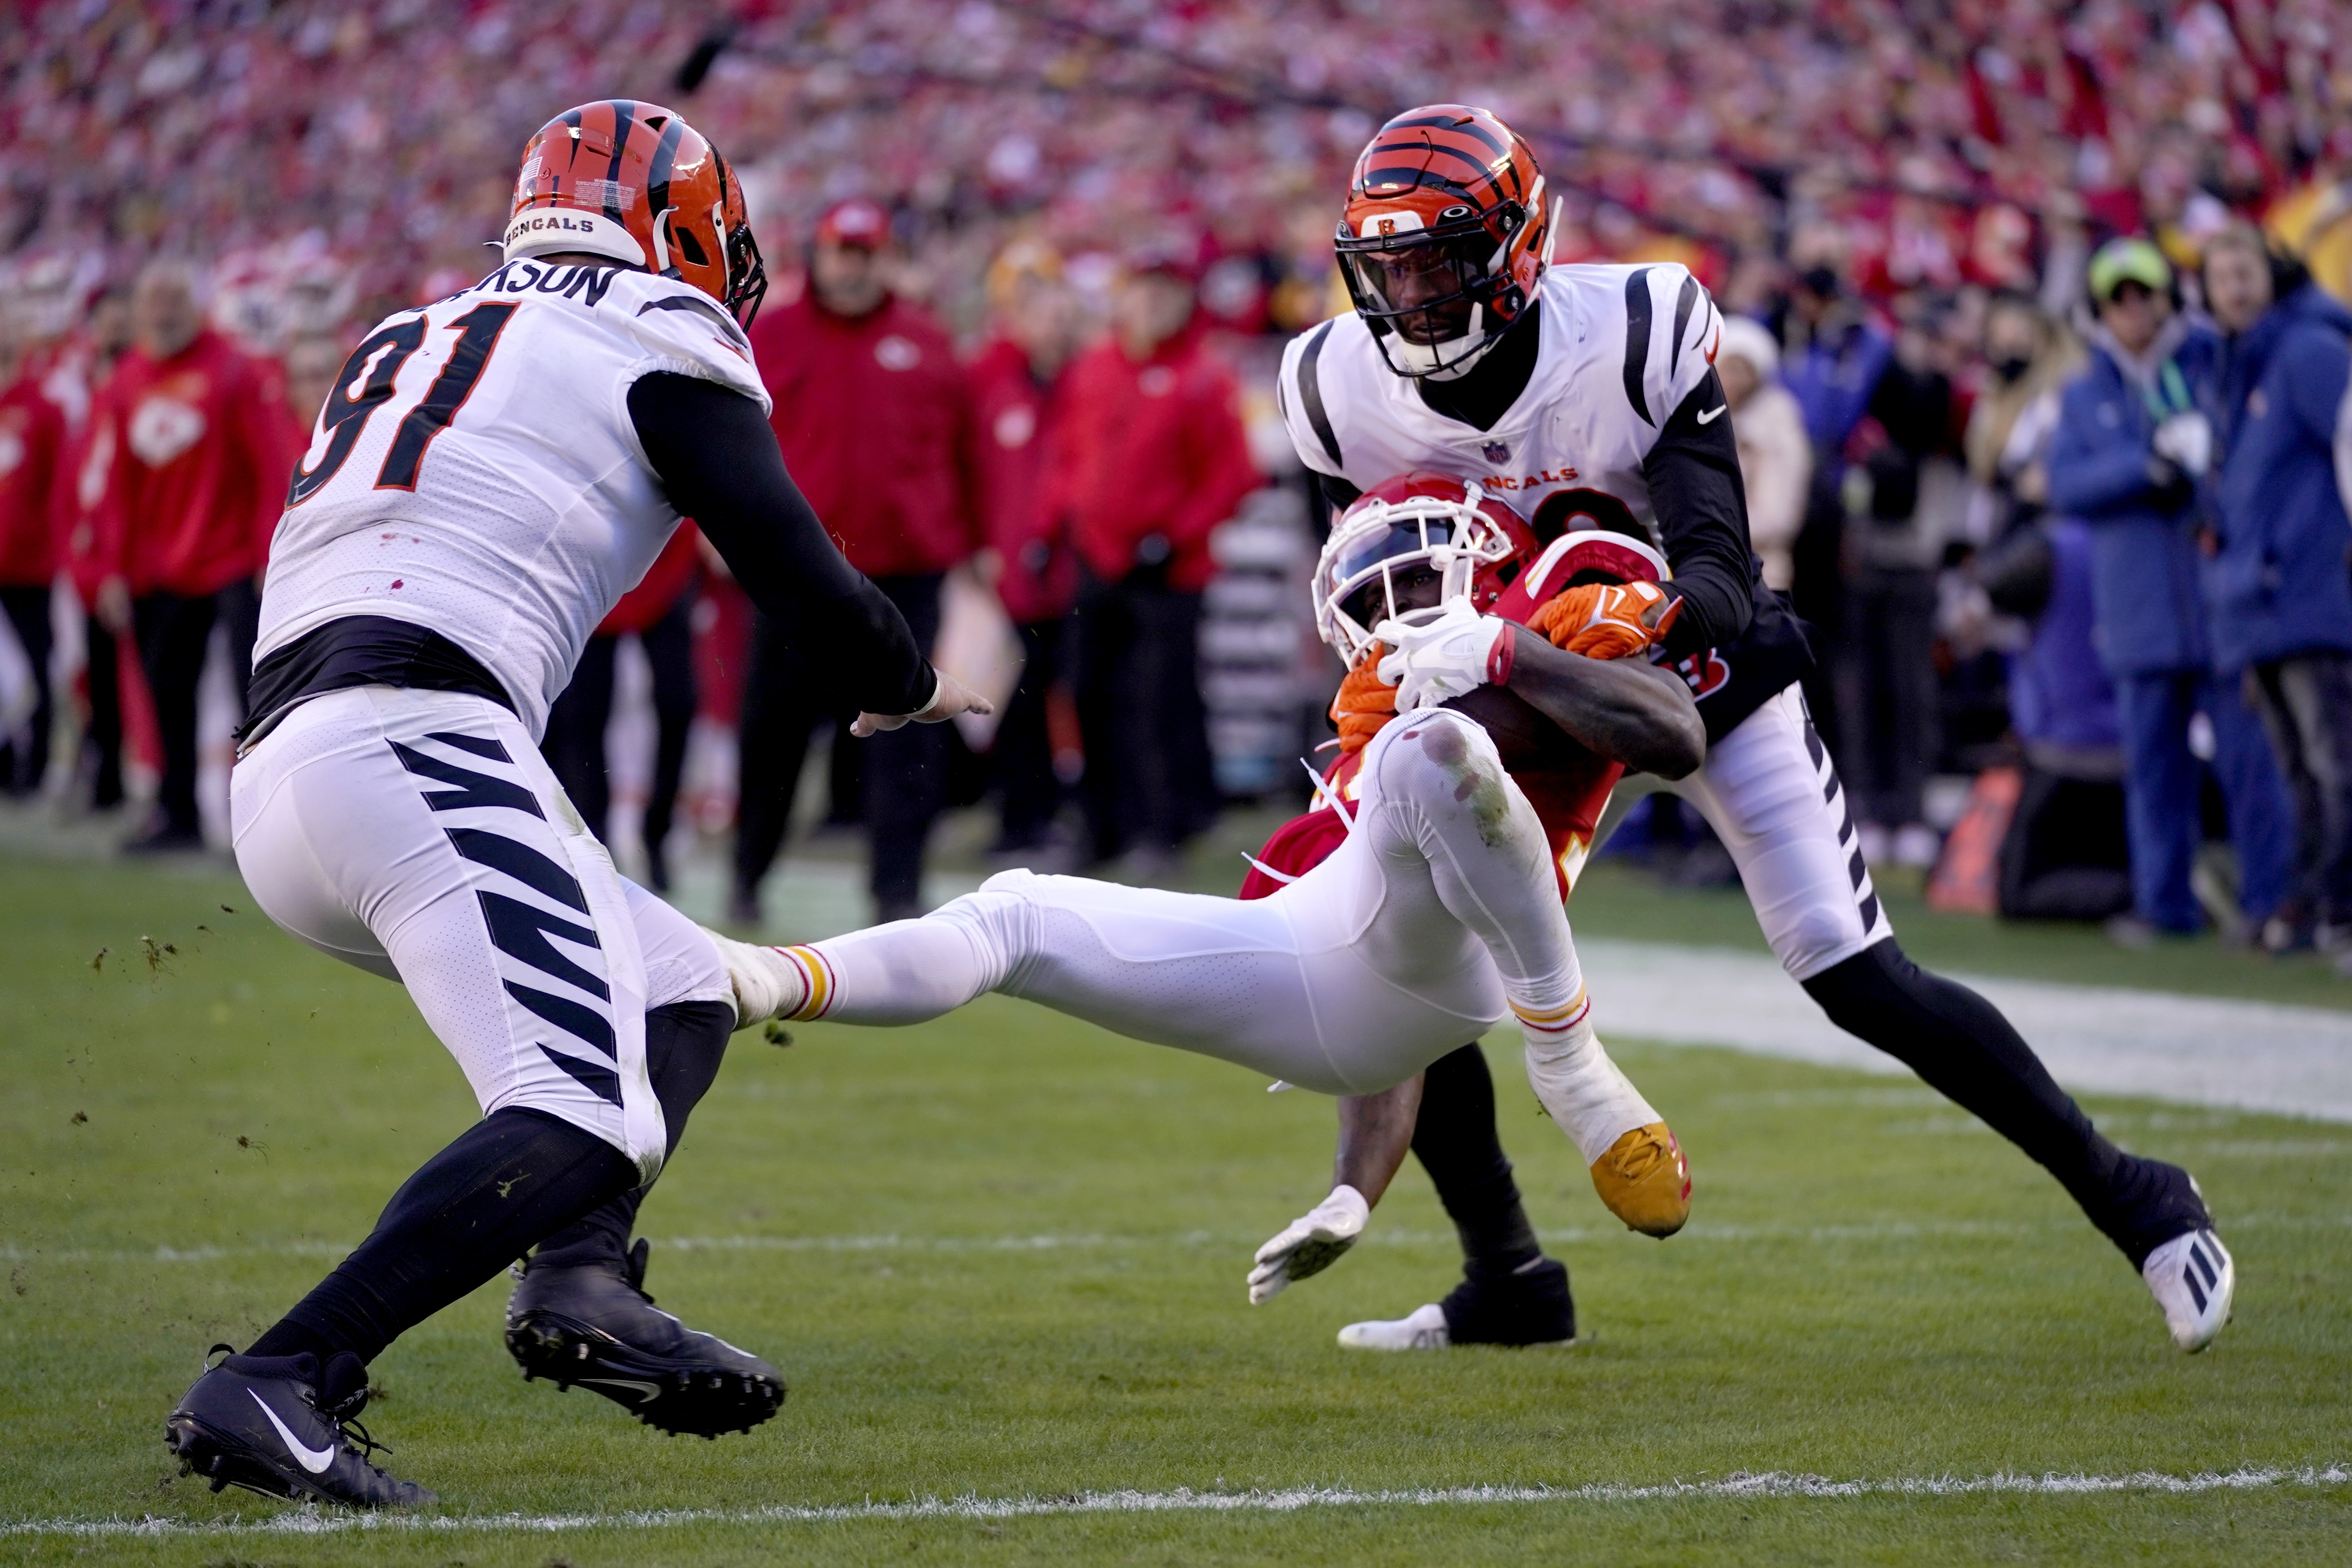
x,y
1001,1257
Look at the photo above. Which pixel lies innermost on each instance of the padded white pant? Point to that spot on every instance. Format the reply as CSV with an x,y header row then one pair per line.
x,y
420,836
1773,795
1437,918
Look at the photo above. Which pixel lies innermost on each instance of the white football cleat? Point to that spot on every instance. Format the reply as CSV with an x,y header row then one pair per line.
x,y
2193,1280
1424,1330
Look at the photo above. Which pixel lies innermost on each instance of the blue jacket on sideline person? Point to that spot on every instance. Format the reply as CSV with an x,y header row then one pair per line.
x,y
2283,581
2145,574
2059,695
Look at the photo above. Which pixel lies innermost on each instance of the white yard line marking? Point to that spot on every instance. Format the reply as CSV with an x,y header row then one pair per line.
x,y
1739,1486
1698,1230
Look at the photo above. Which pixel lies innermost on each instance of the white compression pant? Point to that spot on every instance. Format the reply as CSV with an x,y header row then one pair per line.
x,y
420,836
1773,795
1436,918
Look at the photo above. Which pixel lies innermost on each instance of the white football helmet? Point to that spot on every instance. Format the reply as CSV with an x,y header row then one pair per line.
x,y
1415,520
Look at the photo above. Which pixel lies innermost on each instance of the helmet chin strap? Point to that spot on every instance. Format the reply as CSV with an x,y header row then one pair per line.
x,y
1427,360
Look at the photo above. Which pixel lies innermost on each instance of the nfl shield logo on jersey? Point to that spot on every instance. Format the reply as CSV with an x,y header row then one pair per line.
x,y
1496,452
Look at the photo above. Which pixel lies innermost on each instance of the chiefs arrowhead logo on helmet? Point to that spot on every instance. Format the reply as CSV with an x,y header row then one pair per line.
x,y
636,182
1444,237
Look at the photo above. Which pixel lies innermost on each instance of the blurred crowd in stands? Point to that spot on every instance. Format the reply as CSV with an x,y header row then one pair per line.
x,y
2049,474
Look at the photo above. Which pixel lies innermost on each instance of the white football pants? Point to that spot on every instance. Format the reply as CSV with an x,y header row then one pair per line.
x,y
1771,794
420,836
1436,918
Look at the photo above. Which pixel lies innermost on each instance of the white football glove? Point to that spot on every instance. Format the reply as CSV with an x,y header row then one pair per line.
x,y
1309,1244
1440,658
2187,438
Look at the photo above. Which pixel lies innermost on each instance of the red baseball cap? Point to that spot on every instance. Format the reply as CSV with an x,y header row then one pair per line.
x,y
860,221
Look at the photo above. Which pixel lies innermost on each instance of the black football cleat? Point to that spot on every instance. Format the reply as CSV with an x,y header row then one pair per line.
x,y
591,1322
1522,1308
1529,1305
275,1425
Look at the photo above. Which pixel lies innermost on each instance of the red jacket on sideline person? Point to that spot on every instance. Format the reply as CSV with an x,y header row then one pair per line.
x,y
32,497
1155,447
199,468
1019,443
874,415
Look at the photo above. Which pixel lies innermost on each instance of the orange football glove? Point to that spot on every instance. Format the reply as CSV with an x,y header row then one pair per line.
x,y
1365,702
1606,620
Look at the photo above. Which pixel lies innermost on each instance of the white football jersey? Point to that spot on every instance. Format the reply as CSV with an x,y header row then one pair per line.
x,y
476,470
1622,347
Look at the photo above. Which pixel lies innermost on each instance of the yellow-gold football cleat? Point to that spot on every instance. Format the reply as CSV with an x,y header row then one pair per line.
x,y
1645,1181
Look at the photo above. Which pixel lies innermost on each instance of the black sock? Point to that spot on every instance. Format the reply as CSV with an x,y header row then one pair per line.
x,y
1457,1145
1959,1043
685,1042
509,1181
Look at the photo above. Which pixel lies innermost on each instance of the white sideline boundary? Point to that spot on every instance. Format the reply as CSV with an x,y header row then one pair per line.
x,y
1740,1486
2288,1060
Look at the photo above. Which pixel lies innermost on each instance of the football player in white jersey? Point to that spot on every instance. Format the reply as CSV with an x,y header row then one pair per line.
x,y
1588,394
488,476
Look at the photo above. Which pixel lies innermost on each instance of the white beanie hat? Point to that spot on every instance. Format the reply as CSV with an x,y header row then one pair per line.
x,y
1750,340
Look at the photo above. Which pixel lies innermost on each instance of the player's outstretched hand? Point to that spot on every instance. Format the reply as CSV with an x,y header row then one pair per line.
x,y
1309,1244
1438,659
952,698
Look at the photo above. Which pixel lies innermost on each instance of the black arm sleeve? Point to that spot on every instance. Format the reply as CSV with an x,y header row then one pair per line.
x,y
718,462
1702,511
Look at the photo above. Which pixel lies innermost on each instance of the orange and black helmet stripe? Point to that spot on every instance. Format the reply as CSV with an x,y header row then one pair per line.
x,y
1459,150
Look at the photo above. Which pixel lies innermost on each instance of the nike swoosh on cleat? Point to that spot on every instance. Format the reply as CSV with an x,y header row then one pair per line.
x,y
1708,417
651,1391
314,1460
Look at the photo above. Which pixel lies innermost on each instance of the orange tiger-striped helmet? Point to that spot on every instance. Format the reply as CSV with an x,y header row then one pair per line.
x,y
635,181
1444,237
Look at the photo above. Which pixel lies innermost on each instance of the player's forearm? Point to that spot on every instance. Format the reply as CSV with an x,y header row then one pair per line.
x,y
718,464
1623,709
1375,1131
1701,503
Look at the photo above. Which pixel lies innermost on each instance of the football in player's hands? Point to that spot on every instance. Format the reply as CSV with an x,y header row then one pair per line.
x,y
1435,660
1309,1244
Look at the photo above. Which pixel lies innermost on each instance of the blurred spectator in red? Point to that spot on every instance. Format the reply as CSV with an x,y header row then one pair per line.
x,y
195,480
659,613
874,415
88,459
1776,460
1018,404
32,436
1155,458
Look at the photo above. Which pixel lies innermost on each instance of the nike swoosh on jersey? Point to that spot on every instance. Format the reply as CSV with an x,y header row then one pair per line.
x,y
649,1392
1708,417
311,1459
